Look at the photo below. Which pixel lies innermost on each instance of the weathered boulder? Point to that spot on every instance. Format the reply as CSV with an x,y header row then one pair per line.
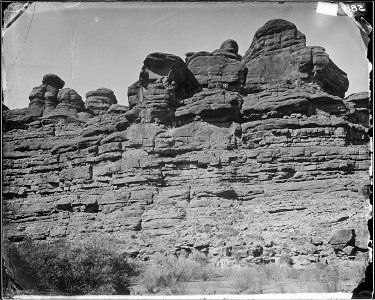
x,y
51,84
100,100
54,80
349,250
230,45
229,48
278,54
342,238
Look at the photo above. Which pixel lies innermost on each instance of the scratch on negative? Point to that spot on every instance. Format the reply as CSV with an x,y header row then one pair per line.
x,y
72,55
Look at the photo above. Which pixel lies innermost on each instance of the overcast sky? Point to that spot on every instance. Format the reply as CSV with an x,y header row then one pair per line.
x,y
92,45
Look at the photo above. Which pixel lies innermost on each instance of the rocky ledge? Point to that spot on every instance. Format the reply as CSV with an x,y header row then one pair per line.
x,y
243,158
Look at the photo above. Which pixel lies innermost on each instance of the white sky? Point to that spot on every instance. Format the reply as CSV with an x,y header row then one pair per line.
x,y
91,45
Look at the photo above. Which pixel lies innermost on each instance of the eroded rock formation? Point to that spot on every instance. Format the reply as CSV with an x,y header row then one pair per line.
x,y
43,100
163,81
242,159
100,100
279,54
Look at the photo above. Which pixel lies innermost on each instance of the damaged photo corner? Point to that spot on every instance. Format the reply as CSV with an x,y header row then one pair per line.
x,y
196,149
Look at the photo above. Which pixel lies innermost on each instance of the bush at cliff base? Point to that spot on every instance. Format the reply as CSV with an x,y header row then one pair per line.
x,y
75,268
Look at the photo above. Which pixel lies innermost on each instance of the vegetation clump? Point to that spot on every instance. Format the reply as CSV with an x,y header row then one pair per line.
x,y
171,272
68,268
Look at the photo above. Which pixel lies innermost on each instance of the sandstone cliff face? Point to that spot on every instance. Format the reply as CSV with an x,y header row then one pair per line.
x,y
206,157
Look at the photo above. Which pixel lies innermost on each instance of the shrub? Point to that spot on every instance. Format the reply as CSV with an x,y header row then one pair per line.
x,y
167,271
75,268
171,272
248,279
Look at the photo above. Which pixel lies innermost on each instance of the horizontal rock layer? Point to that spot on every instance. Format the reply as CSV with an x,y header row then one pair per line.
x,y
197,186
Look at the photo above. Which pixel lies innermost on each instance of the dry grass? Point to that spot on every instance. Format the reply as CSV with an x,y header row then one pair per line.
x,y
169,275
248,280
170,272
320,278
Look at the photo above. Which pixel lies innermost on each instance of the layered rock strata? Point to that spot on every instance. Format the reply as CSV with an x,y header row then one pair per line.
x,y
100,100
206,158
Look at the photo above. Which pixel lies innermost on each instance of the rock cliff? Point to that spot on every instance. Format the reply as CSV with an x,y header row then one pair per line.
x,y
244,159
